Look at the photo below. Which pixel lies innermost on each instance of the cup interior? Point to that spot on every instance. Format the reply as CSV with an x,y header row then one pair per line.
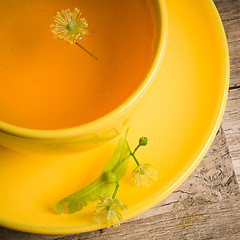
x,y
159,14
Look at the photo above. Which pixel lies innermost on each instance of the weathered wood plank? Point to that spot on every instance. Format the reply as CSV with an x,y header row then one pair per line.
x,y
207,205
198,222
229,11
230,14
213,180
207,201
231,126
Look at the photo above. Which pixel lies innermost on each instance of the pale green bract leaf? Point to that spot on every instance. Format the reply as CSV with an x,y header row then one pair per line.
x,y
100,188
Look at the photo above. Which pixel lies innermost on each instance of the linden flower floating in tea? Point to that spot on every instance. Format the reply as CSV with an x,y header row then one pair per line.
x,y
70,27
104,189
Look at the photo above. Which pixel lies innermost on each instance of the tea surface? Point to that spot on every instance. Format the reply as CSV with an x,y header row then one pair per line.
x,y
46,83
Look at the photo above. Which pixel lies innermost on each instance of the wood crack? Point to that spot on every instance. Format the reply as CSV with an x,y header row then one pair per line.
x,y
234,87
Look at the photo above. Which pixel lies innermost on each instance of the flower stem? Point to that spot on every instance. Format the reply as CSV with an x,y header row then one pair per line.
x,y
115,191
132,153
135,159
86,50
136,148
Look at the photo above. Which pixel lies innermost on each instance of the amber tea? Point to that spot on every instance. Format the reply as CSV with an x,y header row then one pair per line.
x,y
47,83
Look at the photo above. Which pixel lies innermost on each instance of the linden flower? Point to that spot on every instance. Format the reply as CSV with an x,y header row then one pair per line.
x,y
69,25
143,175
108,211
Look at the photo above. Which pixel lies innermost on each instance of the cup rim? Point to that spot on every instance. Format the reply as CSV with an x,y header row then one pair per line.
x,y
116,112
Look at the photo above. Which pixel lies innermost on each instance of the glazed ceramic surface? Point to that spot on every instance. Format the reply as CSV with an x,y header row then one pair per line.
x,y
97,132
180,118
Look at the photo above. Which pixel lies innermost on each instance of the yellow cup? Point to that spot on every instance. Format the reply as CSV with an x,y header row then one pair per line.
x,y
92,134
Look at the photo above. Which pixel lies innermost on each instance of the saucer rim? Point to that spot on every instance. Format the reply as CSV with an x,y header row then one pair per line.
x,y
157,197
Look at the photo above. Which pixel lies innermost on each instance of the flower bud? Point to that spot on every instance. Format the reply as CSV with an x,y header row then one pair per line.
x,y
143,141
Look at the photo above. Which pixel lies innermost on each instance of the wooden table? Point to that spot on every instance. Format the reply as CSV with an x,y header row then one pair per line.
x,y
207,205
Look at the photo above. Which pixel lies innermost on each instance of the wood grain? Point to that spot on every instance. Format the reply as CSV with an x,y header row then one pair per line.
x,y
231,126
207,205
207,201
230,14
229,11
189,224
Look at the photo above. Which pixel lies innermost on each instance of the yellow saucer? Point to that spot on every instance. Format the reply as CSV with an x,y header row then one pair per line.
x,y
180,120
